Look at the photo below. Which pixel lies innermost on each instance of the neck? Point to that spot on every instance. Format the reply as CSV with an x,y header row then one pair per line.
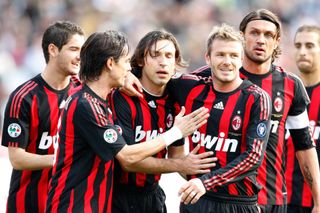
x,y
256,68
310,79
101,88
152,88
55,79
226,87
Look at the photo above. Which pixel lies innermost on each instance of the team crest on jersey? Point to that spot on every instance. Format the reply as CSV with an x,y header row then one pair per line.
x,y
14,130
110,136
236,122
118,128
169,120
278,104
261,129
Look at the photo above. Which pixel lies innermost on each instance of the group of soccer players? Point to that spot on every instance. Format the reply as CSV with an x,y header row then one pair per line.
x,y
235,112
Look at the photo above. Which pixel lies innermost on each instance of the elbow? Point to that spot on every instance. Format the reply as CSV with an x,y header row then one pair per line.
x,y
126,161
16,164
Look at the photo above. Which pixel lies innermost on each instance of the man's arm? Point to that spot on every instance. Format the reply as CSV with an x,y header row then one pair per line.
x,y
23,160
191,164
185,125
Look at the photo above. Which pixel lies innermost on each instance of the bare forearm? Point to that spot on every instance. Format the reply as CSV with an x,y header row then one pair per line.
x,y
22,160
153,165
309,166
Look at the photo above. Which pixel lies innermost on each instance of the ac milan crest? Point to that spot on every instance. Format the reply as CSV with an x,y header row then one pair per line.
x,y
278,104
169,120
236,122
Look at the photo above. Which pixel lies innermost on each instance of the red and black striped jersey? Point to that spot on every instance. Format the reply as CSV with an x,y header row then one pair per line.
x,y
82,179
31,120
298,190
142,119
289,99
237,132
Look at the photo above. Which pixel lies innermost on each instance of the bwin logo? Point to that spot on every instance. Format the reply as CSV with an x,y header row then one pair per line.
x,y
220,143
148,135
47,140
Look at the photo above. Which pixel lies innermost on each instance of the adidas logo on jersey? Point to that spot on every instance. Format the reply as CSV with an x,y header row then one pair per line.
x,y
218,105
152,104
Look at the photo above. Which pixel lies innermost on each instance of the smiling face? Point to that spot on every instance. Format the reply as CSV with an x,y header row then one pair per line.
x,y
307,51
260,41
225,61
68,58
159,65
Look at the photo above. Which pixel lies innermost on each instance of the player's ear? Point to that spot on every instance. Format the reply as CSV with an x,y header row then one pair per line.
x,y
109,63
53,50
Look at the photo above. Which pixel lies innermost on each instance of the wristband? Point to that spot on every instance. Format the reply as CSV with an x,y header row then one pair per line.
x,y
171,135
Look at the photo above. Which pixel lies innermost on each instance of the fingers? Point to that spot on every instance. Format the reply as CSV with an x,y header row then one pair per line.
x,y
190,195
202,155
182,111
196,149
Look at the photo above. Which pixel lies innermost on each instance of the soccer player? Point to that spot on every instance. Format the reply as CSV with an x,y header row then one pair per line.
x,y
262,31
307,57
237,129
31,117
82,178
140,119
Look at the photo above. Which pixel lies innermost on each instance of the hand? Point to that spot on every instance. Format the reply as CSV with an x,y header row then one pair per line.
x,y
191,191
132,86
191,122
315,209
195,163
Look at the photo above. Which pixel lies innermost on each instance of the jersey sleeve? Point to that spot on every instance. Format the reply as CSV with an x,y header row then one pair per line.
x,y
92,123
180,86
246,164
123,115
204,72
17,120
298,121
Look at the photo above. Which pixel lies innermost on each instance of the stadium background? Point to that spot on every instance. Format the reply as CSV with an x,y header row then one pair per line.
x,y
22,23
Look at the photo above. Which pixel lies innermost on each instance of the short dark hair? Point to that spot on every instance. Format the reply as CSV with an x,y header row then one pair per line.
x,y
59,33
266,15
97,49
144,47
308,28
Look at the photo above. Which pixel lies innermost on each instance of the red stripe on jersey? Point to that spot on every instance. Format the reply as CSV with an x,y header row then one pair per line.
x,y
90,183
248,185
289,86
23,91
21,194
289,167
246,119
188,105
162,120
103,188
125,175
109,164
53,100
19,101
314,107
71,201
224,126
266,85
207,103
141,177
68,157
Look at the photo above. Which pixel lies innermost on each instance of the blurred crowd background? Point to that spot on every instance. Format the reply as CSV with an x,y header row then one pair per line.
x,y
22,23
